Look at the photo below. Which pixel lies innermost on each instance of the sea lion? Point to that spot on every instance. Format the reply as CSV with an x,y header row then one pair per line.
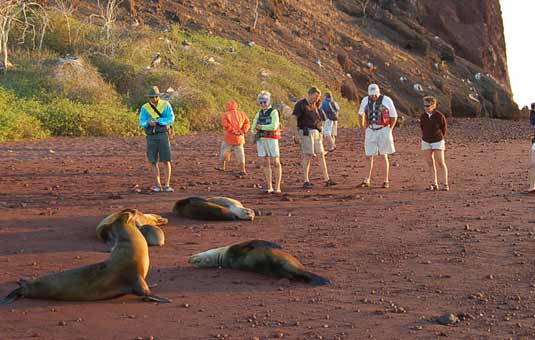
x,y
104,230
201,209
122,273
235,206
258,256
153,234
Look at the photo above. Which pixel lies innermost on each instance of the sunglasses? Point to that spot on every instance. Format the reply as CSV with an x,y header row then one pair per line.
x,y
262,102
428,105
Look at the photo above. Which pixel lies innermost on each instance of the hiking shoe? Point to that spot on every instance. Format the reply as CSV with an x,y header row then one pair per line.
x,y
433,187
364,184
168,189
156,189
307,185
330,183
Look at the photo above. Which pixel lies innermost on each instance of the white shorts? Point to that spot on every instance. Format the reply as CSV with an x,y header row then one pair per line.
x,y
440,145
379,142
313,143
330,128
532,146
267,147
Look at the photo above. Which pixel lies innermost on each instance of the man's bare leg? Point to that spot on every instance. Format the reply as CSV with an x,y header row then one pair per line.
x,y
156,173
268,174
278,171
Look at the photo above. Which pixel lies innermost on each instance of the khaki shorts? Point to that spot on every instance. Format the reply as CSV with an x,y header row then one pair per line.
x,y
379,142
313,143
267,147
227,148
440,145
330,128
158,148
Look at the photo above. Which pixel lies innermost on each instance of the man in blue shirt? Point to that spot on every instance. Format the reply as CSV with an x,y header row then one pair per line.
x,y
156,117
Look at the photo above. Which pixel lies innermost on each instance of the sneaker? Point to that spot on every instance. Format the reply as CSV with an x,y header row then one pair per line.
x,y
307,185
268,191
364,184
168,189
156,189
330,183
386,185
445,187
433,187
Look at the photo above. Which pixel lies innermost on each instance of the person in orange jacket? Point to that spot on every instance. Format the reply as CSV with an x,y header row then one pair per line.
x,y
236,125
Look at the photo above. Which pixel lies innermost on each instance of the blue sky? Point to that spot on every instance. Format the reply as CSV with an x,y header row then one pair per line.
x,y
519,25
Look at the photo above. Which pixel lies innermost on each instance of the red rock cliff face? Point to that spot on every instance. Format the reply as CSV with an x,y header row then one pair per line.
x,y
474,28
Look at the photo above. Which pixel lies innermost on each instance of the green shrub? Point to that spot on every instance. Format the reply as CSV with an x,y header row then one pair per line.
x,y
15,120
64,117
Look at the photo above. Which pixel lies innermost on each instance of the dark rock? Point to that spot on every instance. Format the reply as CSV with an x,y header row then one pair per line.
x,y
447,319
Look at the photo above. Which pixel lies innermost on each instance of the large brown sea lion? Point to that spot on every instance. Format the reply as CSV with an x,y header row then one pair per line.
x,y
235,206
258,256
123,273
104,230
201,209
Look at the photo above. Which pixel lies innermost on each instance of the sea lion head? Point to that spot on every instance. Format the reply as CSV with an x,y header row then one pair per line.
x,y
209,258
244,213
126,217
104,228
151,219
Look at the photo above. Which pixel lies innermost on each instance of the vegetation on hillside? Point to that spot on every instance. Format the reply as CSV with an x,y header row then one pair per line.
x,y
99,91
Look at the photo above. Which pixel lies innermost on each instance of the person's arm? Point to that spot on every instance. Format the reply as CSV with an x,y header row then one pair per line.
x,y
274,121
168,117
227,126
392,112
422,121
144,118
245,126
255,122
362,112
444,126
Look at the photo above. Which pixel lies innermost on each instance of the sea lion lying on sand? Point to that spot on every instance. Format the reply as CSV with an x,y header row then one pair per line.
x,y
212,209
104,230
235,206
258,256
124,272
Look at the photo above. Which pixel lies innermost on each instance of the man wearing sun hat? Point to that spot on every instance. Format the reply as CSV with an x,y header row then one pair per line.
x,y
378,117
155,117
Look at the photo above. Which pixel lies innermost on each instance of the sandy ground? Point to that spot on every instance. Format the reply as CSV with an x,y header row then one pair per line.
x,y
397,258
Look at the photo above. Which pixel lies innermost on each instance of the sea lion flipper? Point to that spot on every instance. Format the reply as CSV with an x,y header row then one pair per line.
x,y
155,298
142,289
14,295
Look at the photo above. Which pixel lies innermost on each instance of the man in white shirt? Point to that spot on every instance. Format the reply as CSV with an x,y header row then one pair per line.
x,y
378,117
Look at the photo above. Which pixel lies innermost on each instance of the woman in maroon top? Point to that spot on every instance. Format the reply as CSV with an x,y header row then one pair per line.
x,y
434,127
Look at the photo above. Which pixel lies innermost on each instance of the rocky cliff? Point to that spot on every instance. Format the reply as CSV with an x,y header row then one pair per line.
x,y
449,48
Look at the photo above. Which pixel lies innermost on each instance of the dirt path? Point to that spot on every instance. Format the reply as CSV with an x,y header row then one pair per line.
x,y
397,258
